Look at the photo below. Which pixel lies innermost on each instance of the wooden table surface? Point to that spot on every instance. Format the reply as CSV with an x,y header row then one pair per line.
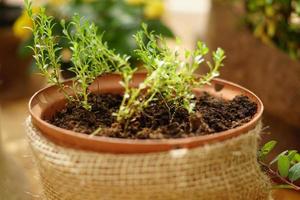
x,y
285,194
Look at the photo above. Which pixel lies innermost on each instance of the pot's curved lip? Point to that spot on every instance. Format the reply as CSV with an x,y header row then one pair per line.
x,y
119,145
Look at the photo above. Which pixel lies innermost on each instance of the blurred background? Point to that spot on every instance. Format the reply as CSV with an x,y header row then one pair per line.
x,y
261,39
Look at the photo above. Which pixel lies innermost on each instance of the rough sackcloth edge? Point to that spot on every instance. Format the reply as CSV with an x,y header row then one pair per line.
x,y
226,170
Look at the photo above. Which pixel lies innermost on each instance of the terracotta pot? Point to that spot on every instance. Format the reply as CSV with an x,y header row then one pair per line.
x,y
266,70
49,100
216,166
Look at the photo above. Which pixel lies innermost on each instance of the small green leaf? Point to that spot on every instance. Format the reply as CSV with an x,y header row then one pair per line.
x,y
292,154
275,159
283,165
294,172
265,150
296,158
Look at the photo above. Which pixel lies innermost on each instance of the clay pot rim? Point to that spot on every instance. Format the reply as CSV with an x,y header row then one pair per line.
x,y
135,146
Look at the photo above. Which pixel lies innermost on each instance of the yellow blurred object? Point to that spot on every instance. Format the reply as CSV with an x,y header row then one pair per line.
x,y
57,2
285,194
19,27
154,9
135,2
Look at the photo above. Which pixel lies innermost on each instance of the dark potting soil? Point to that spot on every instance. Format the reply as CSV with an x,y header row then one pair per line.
x,y
211,115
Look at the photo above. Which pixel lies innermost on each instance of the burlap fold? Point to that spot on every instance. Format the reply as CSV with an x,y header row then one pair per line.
x,y
221,171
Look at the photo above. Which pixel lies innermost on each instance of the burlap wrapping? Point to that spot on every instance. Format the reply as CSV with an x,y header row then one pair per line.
x,y
221,171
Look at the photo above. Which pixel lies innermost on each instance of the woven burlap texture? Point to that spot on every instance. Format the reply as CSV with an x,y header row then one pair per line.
x,y
226,170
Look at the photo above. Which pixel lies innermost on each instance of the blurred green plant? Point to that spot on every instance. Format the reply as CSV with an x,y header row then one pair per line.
x,y
276,22
284,168
119,19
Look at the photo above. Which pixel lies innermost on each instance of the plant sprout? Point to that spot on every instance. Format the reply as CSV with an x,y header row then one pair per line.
x,y
168,77
90,55
45,46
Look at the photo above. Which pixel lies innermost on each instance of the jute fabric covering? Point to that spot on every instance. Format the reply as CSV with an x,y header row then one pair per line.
x,y
221,171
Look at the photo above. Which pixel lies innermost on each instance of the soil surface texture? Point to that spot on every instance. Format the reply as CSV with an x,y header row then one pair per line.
x,y
211,115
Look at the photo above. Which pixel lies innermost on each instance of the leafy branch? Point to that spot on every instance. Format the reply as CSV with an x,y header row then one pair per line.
x,y
45,46
90,55
286,164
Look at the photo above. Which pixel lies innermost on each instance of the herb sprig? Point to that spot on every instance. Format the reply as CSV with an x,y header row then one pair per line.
x,y
45,46
168,76
90,55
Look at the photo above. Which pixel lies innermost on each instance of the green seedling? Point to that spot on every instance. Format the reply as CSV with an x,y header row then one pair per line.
x,y
90,55
168,77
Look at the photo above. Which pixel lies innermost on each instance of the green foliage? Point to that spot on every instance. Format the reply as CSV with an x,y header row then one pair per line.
x,y
118,19
276,158
296,158
44,46
266,149
276,21
291,154
168,77
287,163
283,165
90,55
294,172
